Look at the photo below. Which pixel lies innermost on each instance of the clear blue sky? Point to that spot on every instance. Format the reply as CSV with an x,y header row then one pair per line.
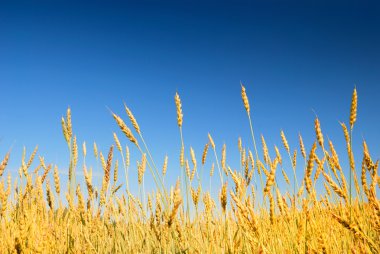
x,y
292,57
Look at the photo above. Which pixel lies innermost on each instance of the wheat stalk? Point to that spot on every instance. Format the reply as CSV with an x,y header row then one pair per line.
x,y
127,132
132,119
354,106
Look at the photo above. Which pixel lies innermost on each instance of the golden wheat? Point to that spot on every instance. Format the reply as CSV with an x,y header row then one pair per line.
x,y
259,217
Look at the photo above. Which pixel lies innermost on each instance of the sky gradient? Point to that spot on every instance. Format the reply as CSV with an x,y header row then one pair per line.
x,y
295,59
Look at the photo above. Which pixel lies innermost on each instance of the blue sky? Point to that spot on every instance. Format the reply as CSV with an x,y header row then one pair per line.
x,y
292,57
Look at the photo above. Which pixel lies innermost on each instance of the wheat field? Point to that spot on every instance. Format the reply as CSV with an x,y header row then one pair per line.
x,y
251,214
